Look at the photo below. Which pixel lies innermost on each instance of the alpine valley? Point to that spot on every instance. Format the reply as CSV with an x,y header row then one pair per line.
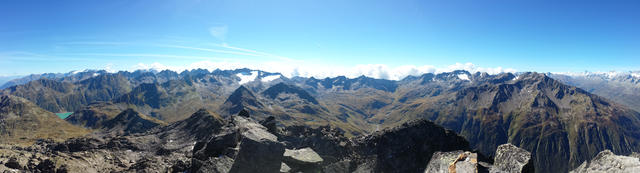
x,y
248,120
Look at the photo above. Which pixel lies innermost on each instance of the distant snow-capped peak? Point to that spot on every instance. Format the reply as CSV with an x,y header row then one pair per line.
x,y
606,75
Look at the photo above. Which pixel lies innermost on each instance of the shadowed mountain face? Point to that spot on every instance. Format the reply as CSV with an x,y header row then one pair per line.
x,y
281,89
240,99
561,125
22,123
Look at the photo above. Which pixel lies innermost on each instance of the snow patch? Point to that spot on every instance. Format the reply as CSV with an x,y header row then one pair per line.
x,y
247,78
95,74
270,78
463,76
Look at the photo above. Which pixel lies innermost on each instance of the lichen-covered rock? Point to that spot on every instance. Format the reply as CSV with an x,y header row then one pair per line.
x,y
511,159
458,162
607,162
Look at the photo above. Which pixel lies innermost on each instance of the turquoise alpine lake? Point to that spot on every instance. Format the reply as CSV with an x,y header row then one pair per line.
x,y
64,115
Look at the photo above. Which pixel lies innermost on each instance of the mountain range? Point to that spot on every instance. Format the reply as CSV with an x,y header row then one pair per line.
x,y
562,120
623,88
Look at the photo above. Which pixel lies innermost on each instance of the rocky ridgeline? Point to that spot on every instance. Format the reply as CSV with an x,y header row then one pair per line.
x,y
205,142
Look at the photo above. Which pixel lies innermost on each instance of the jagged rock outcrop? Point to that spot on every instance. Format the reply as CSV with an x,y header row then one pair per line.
x,y
259,151
607,162
328,142
247,146
216,155
511,159
407,148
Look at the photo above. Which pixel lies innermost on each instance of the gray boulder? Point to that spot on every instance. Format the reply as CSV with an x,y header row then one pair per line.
x,y
303,160
607,162
511,159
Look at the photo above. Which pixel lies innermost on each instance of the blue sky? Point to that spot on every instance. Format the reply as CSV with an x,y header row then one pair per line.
x,y
540,35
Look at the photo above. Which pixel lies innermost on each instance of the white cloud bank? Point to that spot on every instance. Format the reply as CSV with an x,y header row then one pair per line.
x,y
379,71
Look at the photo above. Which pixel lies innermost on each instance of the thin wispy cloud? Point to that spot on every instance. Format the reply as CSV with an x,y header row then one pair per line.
x,y
224,45
143,55
96,43
238,51
219,32
209,50
185,45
